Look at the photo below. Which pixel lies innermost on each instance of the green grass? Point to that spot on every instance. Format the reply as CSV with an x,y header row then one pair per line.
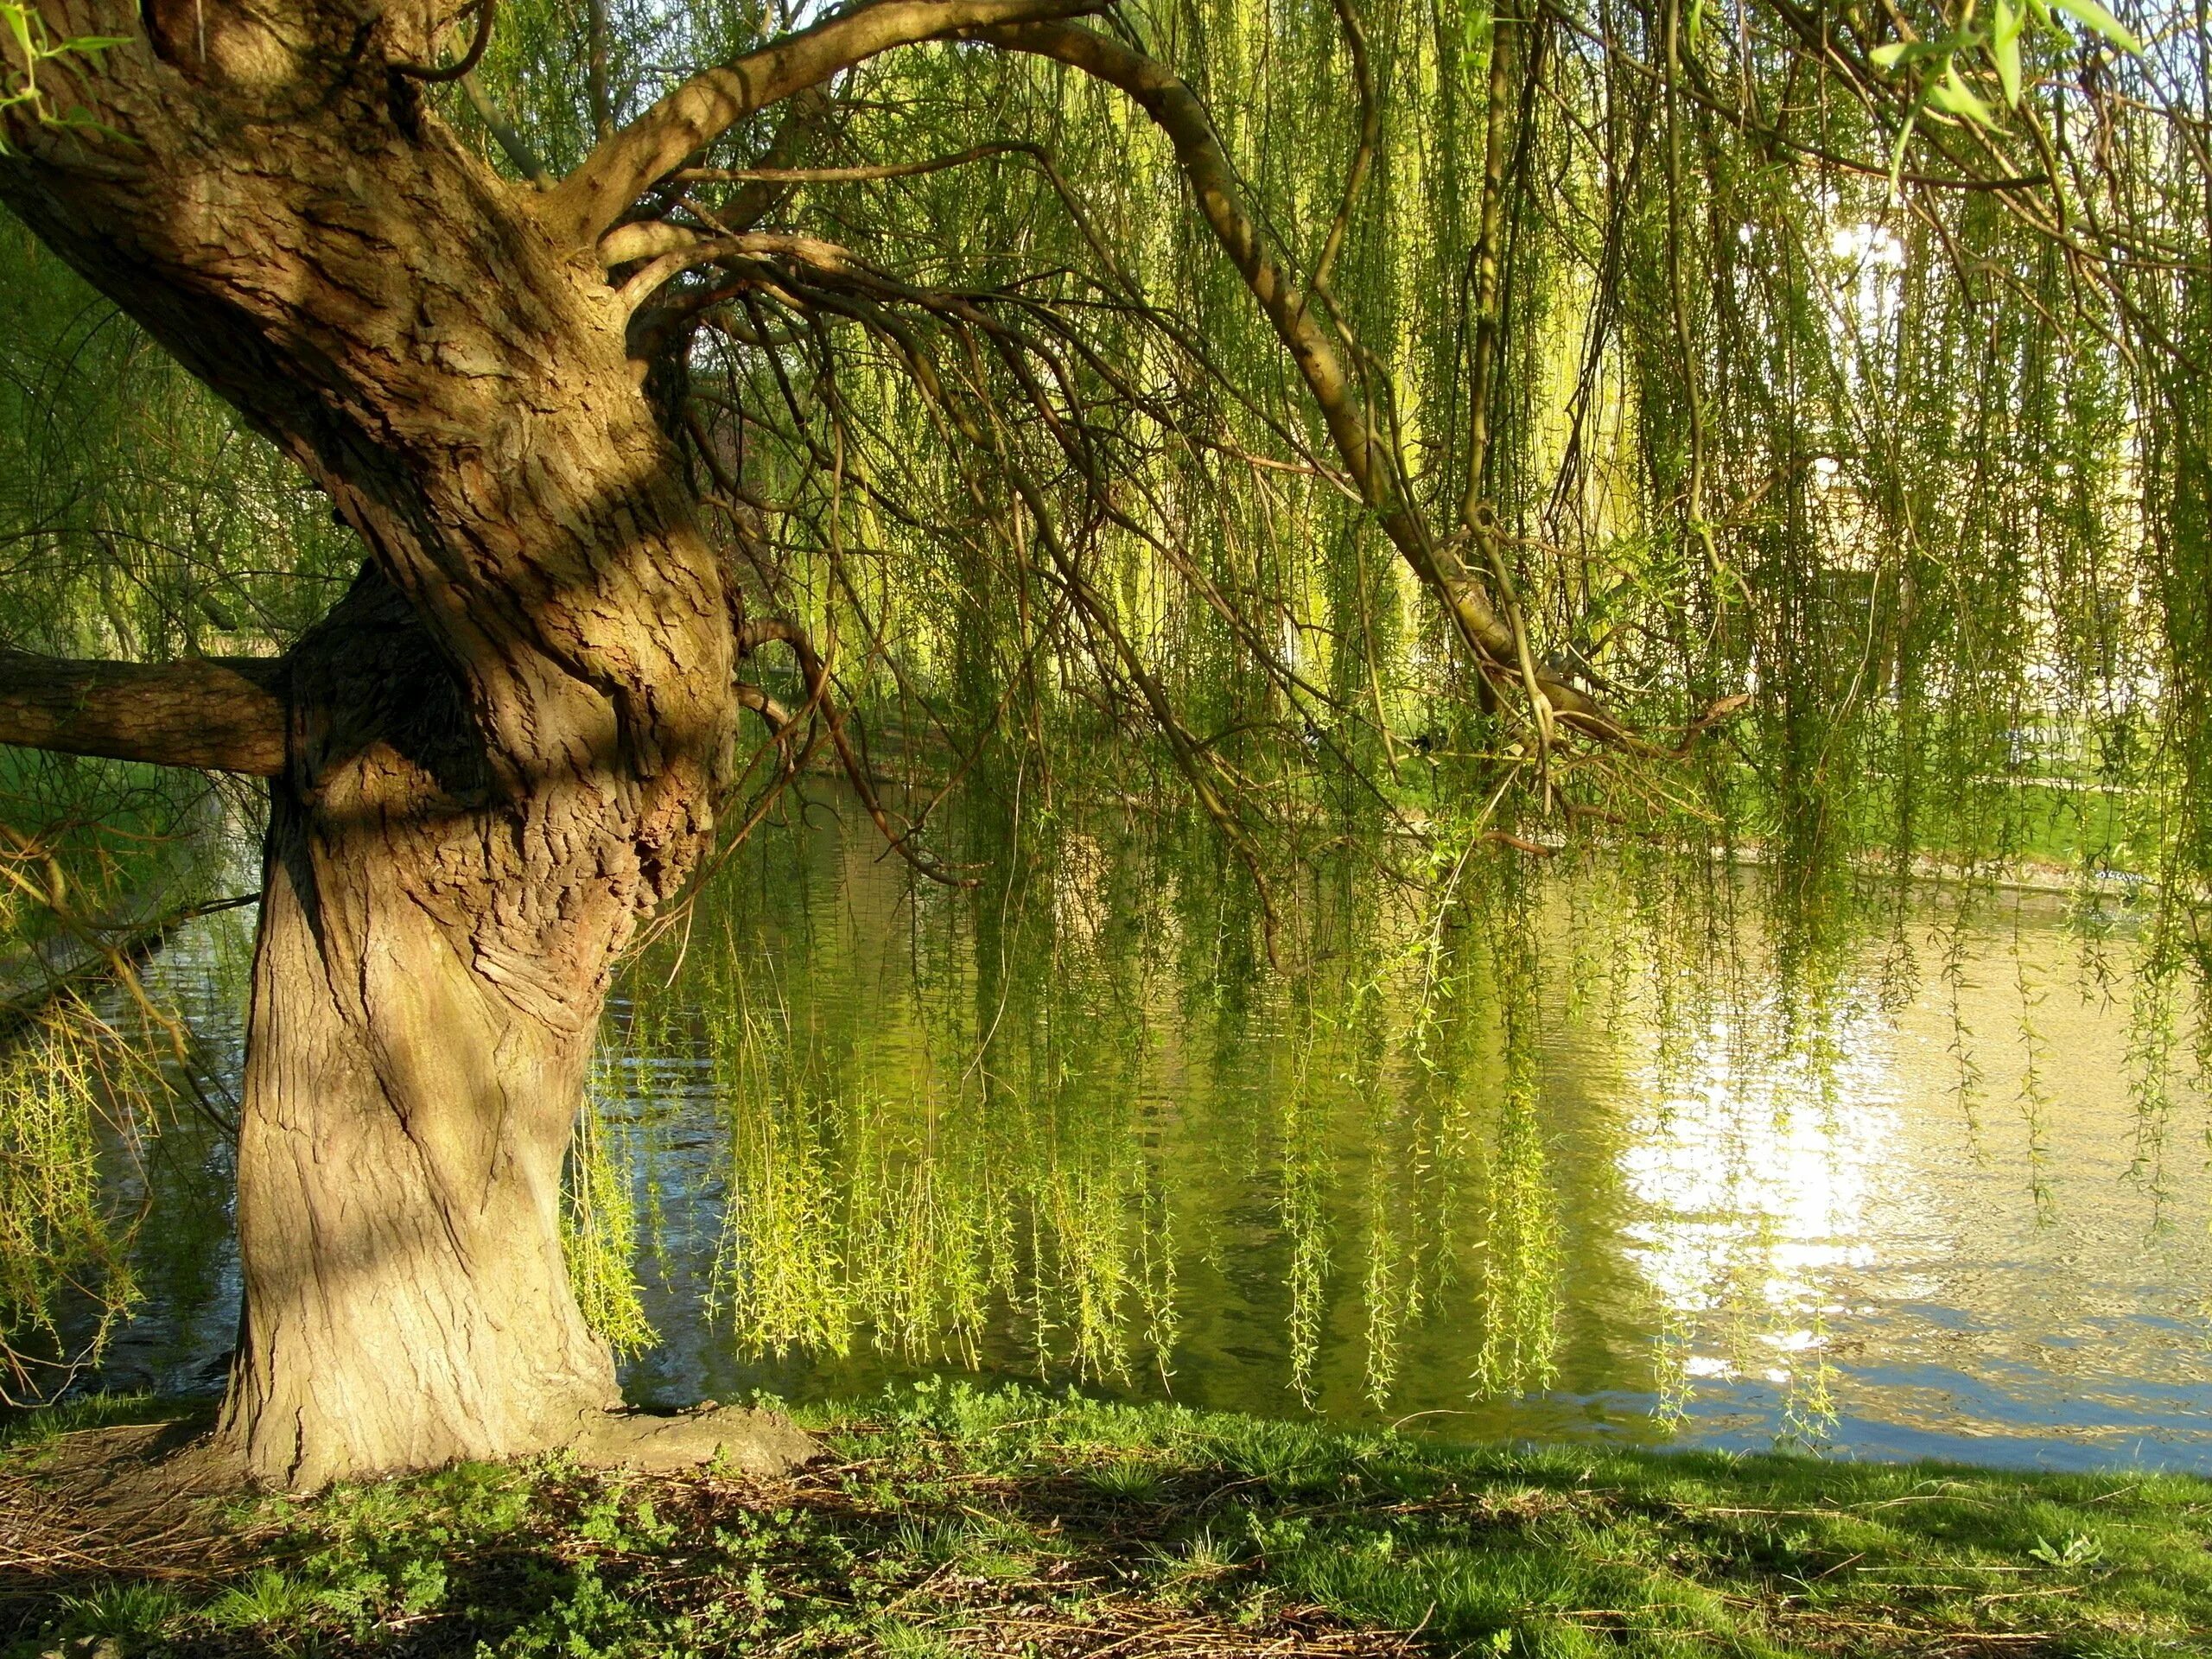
x,y
24,1431
951,1520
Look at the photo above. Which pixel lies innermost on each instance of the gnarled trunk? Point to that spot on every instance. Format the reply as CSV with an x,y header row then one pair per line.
x,y
500,751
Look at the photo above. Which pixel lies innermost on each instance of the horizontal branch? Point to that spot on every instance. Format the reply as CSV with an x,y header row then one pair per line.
x,y
623,166
216,714
672,251
851,174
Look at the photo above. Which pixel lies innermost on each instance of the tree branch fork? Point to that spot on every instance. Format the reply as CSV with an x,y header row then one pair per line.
x,y
643,255
232,714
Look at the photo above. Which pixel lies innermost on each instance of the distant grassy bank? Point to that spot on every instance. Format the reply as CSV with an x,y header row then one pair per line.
x,y
949,1520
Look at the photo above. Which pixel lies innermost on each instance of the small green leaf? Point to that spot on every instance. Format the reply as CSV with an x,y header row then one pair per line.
x,y
1896,53
2006,56
1954,96
1896,156
19,25
2092,15
2005,49
1697,21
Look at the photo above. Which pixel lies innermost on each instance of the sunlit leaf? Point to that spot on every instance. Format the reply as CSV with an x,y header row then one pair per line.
x,y
1954,96
2005,49
2092,15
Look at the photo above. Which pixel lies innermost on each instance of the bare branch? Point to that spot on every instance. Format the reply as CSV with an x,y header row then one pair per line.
x,y
468,60
515,147
595,196
218,714
853,175
645,239
815,673
674,250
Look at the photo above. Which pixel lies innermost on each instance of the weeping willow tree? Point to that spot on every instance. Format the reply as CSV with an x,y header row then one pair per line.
x,y
1754,424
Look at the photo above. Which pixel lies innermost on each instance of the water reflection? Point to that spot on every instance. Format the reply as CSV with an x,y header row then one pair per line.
x,y
1585,1155
1757,1175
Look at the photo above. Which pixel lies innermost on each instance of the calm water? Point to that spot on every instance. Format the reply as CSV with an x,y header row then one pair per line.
x,y
1585,1155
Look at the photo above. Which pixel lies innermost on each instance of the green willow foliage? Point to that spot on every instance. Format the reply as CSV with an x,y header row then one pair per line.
x,y
1743,351
1062,1130
1776,378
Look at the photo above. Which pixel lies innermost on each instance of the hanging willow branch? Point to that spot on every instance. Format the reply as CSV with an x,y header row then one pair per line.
x,y
1058,425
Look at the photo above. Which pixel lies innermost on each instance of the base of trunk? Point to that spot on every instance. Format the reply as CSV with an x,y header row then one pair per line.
x,y
146,1480
432,962
735,1440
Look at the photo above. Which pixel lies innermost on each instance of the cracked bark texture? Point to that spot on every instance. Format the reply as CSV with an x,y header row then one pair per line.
x,y
503,747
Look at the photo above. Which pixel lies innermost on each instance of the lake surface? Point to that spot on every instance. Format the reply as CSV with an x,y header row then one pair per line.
x,y
1585,1154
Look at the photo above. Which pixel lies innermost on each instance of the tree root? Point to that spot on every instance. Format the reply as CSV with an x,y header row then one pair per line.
x,y
134,1497
759,1443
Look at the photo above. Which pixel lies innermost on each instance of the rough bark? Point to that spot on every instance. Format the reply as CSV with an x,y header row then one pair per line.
x,y
408,1095
222,714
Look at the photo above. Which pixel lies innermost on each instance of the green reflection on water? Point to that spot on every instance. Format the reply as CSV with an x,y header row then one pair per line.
x,y
1594,1148
1595,1128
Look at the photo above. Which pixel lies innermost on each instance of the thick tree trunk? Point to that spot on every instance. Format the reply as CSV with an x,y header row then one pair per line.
x,y
408,1094
399,1177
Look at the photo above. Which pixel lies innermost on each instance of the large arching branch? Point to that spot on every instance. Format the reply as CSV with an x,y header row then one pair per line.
x,y
218,714
580,208
1369,460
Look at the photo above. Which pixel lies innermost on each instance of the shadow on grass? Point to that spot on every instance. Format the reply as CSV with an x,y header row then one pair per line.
x,y
950,1520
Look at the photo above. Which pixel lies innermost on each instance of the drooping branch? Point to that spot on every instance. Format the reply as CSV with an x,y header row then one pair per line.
x,y
1288,308
468,60
591,198
218,714
772,175
815,673
1369,459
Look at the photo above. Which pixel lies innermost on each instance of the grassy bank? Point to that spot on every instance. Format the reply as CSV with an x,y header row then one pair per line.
x,y
950,1521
